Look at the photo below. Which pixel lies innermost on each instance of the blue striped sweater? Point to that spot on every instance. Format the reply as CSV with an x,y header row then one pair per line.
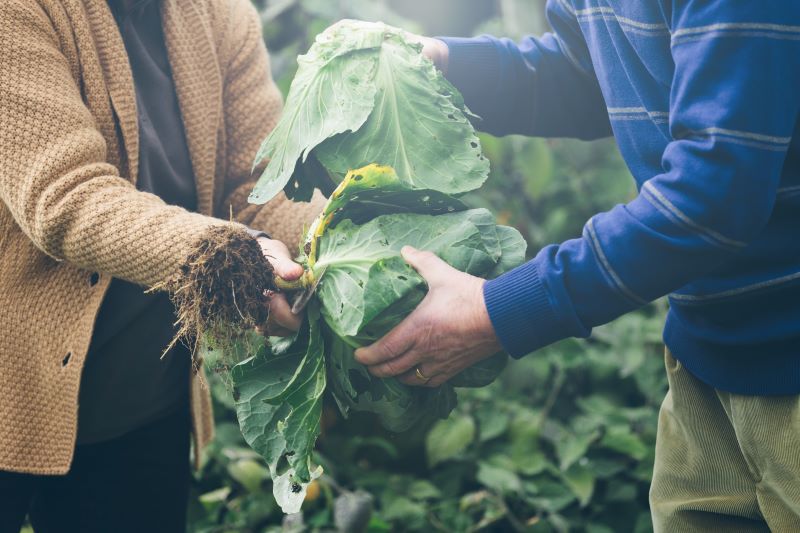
x,y
703,98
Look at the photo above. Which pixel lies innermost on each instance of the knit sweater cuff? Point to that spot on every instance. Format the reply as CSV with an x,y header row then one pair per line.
x,y
255,233
473,67
521,311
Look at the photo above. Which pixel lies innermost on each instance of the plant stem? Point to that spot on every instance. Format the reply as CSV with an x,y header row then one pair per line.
x,y
303,282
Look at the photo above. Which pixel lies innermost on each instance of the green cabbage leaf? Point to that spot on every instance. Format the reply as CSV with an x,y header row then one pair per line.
x,y
363,94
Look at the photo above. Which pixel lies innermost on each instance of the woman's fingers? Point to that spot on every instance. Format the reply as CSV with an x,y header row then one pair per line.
x,y
278,255
281,322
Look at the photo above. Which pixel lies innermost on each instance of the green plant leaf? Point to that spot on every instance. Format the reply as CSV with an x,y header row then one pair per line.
x,y
573,447
422,489
513,248
498,479
249,473
279,407
624,441
492,422
362,95
332,92
375,190
448,438
364,274
581,482
424,132
398,406
404,509
524,440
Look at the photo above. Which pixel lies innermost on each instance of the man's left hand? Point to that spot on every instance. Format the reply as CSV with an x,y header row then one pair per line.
x,y
448,332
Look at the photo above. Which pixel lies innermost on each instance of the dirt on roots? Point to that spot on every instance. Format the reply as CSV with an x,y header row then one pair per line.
x,y
220,291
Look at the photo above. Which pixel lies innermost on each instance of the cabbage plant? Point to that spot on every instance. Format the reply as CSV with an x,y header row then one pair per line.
x,y
371,122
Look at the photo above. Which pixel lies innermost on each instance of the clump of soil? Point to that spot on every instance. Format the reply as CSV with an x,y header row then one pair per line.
x,y
221,290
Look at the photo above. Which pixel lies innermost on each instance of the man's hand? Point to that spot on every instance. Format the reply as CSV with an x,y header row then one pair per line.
x,y
434,49
448,332
282,322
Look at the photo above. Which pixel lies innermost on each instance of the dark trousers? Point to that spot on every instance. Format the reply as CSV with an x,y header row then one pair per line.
x,y
136,483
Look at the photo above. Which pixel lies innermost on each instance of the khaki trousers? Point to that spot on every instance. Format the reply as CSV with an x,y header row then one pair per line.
x,y
725,462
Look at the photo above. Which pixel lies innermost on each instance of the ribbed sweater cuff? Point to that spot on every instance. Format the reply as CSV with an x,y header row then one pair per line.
x,y
474,68
521,312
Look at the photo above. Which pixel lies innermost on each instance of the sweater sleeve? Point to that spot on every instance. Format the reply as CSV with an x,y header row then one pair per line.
x,y
541,86
252,106
54,175
731,128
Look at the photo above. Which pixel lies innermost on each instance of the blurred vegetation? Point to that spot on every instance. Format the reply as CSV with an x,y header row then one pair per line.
x,y
562,442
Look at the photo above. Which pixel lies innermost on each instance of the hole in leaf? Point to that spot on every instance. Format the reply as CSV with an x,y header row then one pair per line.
x,y
358,177
403,278
296,488
473,144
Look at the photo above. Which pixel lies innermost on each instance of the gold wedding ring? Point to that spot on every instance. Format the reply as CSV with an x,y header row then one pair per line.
x,y
422,377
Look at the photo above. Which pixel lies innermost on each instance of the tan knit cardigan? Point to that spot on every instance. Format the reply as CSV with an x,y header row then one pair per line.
x,y
69,209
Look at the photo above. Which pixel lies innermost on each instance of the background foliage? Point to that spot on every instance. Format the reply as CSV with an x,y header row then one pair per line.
x,y
563,441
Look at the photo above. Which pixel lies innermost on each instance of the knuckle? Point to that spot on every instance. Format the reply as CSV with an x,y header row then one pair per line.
x,y
391,368
388,349
379,371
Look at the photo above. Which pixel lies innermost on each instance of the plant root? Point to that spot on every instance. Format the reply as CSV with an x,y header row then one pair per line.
x,y
220,293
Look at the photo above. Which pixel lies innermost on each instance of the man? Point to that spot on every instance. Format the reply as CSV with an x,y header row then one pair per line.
x,y
173,96
703,98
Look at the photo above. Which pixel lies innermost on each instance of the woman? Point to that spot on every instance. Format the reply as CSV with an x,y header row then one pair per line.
x,y
127,125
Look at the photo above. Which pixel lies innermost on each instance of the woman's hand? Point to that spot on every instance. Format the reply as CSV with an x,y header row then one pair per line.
x,y
448,332
281,322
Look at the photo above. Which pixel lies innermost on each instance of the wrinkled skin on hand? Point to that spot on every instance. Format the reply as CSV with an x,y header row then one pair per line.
x,y
281,322
448,332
